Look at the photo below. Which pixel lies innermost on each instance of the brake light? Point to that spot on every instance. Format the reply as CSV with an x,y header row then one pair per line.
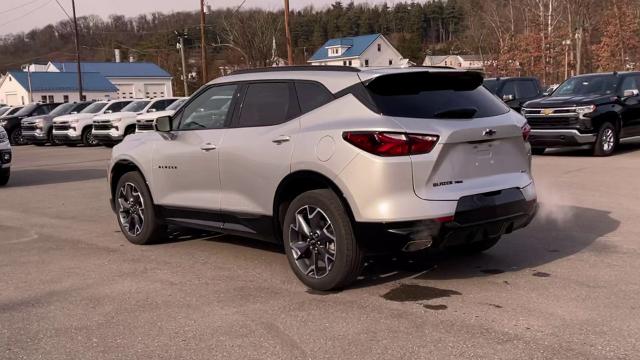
x,y
391,143
526,130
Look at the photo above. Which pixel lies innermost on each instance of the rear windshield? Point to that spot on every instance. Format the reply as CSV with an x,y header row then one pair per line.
x,y
438,95
491,85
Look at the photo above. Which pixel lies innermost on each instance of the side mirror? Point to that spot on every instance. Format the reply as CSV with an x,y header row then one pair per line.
x,y
546,93
163,124
152,110
631,93
108,111
508,97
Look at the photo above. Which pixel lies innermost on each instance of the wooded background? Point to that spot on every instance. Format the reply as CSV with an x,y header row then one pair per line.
x,y
543,38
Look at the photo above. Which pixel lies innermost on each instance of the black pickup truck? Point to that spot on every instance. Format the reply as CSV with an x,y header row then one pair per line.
x,y
13,123
595,110
514,91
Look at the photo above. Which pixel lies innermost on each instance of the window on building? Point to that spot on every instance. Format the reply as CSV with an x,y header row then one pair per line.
x,y
65,98
51,98
379,47
350,63
366,62
43,98
84,98
390,62
344,62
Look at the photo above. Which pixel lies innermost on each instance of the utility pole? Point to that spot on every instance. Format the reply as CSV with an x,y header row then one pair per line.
x,y
288,33
566,44
181,36
75,25
203,44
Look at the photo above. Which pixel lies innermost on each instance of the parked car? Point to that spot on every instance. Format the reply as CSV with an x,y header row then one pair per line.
x,y
38,130
78,128
145,122
515,91
595,110
110,129
333,161
12,110
5,157
12,123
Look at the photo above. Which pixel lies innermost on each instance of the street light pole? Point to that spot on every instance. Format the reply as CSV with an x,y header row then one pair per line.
x,y
75,25
181,36
203,44
288,33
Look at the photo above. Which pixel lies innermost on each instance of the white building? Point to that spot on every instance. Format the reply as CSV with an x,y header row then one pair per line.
x,y
467,62
21,88
358,51
133,79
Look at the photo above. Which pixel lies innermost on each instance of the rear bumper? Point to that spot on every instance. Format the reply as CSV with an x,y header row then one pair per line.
x,y
477,217
560,138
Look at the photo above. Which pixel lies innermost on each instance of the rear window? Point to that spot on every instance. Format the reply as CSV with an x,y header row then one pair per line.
x,y
438,95
491,85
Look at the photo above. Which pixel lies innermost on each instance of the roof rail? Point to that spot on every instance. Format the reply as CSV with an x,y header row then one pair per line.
x,y
433,67
297,68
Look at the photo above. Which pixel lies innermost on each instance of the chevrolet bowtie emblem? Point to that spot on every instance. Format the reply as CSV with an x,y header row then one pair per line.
x,y
547,111
489,132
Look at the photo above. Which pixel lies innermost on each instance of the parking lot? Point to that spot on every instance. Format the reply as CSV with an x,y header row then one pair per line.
x,y
71,286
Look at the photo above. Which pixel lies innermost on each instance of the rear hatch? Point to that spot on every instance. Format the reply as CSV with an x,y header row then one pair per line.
x,y
480,148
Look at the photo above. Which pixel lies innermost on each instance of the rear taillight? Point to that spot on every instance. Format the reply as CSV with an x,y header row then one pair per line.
x,y
526,130
391,143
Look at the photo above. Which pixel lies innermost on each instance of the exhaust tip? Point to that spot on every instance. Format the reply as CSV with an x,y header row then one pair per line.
x,y
417,245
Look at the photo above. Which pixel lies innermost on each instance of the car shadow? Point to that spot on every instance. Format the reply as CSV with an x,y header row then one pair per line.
x,y
556,233
177,234
33,177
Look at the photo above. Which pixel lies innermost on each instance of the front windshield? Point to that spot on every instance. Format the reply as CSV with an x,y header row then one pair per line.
x,y
13,111
136,106
176,105
94,108
587,85
4,110
27,110
62,109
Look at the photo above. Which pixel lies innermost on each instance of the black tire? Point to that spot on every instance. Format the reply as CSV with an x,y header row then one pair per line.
x,y
87,137
476,247
15,137
538,150
5,174
71,144
39,144
152,229
348,256
607,140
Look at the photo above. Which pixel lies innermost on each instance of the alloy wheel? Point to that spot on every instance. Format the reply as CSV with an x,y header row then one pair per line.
x,y
313,242
16,137
90,139
608,139
131,209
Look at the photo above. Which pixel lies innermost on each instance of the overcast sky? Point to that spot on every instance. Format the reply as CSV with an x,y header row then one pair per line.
x,y
24,15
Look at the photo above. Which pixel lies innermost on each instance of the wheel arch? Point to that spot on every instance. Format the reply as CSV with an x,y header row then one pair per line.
x,y
120,168
297,183
609,116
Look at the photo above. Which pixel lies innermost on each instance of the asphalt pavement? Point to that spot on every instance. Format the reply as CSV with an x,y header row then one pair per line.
x,y
72,287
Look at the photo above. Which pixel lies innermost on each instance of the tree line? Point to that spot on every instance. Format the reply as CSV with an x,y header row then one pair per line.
x,y
543,38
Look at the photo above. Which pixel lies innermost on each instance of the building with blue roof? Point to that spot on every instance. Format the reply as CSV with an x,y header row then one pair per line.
x,y
133,79
21,87
359,51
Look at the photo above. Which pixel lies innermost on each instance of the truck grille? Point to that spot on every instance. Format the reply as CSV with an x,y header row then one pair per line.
x,y
144,126
102,126
28,127
551,122
61,127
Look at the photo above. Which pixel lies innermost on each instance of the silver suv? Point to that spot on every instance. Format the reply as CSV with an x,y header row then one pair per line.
x,y
335,163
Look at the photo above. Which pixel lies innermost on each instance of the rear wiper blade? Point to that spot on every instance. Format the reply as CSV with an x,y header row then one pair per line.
x,y
461,113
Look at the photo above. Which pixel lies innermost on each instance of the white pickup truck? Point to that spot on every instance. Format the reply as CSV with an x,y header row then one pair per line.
x,y
110,129
78,128
146,121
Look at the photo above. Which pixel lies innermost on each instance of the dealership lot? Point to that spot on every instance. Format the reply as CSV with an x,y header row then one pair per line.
x,y
71,286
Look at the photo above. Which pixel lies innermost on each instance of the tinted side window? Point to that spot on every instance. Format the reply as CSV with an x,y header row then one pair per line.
x,y
209,110
509,88
161,104
116,107
311,96
267,104
526,89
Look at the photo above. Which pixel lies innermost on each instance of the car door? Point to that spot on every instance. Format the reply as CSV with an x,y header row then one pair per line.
x,y
631,106
255,155
186,179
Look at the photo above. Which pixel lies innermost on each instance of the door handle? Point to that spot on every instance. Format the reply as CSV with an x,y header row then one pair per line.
x,y
281,139
207,147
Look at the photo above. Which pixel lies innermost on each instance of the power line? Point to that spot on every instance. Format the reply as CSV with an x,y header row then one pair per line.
x,y
63,10
18,7
25,14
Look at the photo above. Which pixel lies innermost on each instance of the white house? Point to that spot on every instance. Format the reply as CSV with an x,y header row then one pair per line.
x,y
133,79
358,51
21,88
467,62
